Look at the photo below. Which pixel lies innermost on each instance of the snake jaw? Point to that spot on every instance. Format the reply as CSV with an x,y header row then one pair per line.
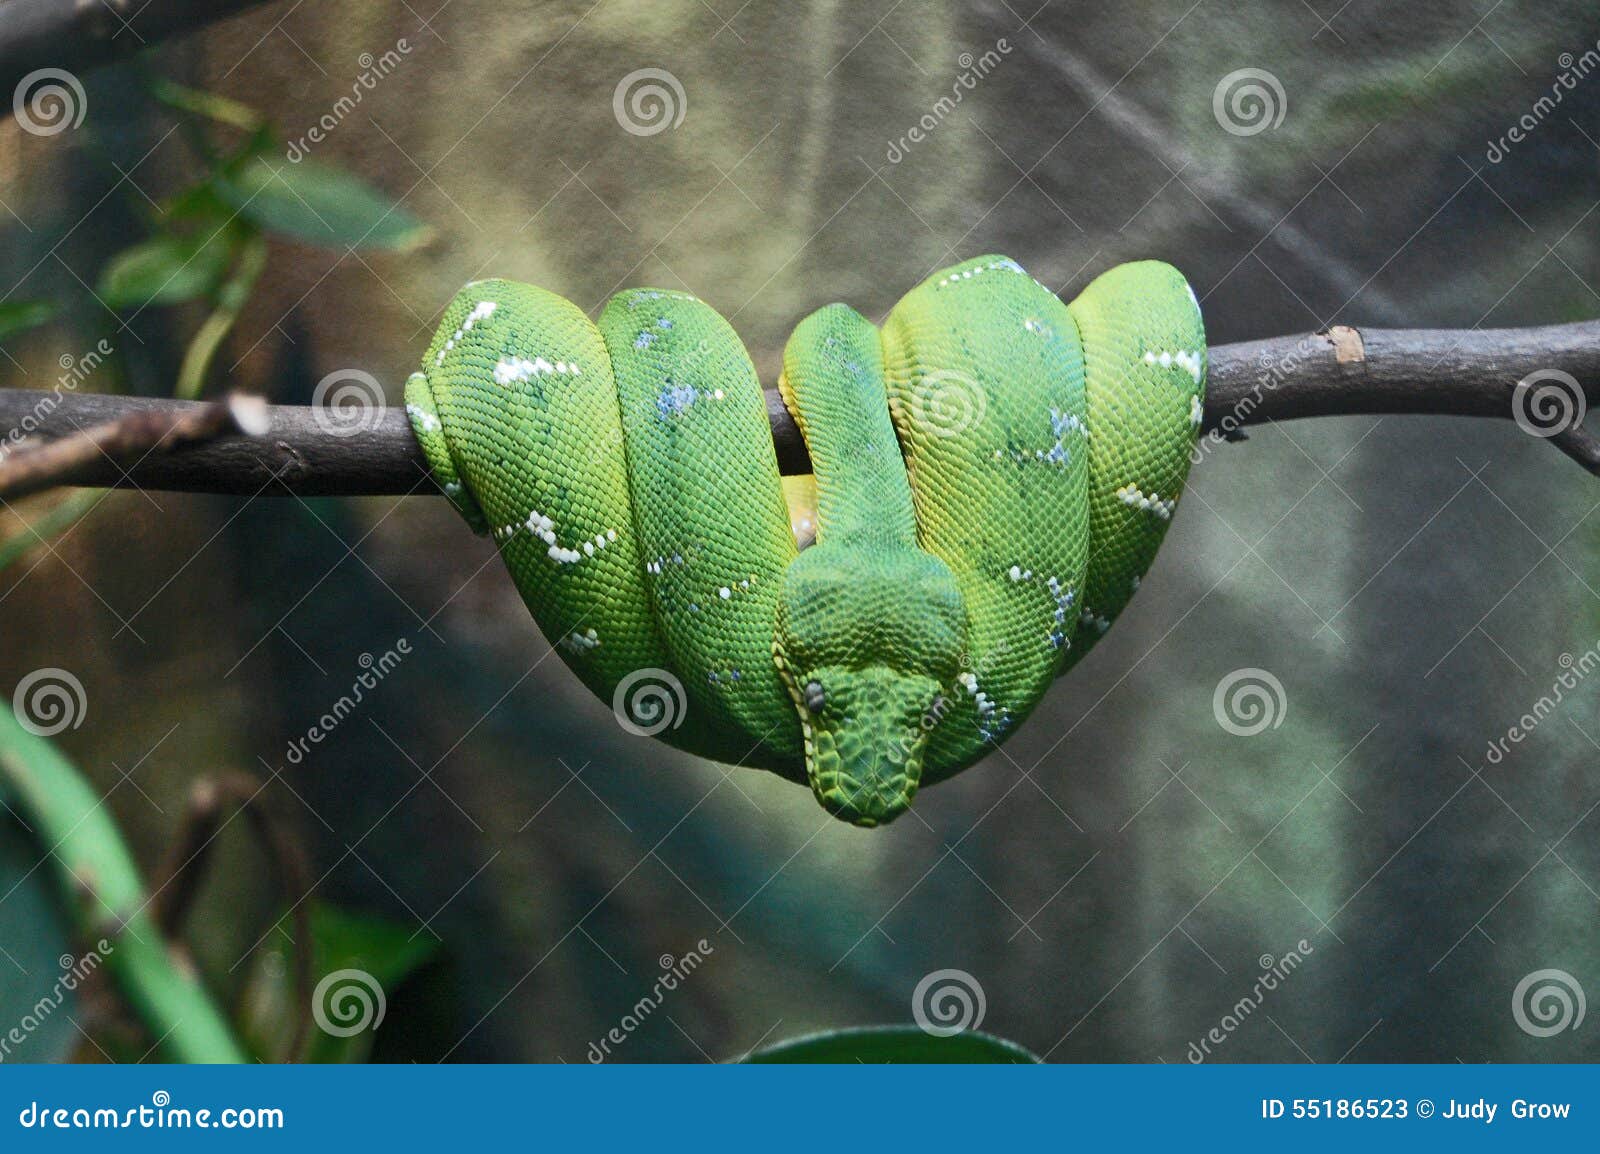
x,y
863,796
864,747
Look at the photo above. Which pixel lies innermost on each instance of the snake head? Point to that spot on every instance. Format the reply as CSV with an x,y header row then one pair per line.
x,y
865,650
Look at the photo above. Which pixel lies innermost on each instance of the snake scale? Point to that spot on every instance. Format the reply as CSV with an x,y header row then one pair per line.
x,y
994,471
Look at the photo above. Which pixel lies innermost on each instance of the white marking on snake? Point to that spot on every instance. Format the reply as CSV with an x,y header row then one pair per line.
x,y
427,420
544,528
580,643
1183,359
969,682
481,311
509,370
1154,503
1006,265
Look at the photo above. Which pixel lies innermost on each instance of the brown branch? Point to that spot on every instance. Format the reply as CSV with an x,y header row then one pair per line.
x,y
1448,372
78,36
80,457
1341,372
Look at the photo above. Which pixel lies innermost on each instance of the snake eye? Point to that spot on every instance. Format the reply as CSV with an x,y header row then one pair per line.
x,y
813,696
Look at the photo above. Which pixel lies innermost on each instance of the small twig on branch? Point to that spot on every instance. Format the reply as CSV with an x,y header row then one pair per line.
x,y
39,463
1340,372
212,802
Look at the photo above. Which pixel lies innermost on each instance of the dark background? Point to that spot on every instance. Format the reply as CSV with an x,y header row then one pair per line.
x,y
1412,583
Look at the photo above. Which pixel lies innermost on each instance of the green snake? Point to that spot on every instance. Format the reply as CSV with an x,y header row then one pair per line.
x,y
993,474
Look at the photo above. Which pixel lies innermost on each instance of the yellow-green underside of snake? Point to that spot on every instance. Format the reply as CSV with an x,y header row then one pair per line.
x,y
994,471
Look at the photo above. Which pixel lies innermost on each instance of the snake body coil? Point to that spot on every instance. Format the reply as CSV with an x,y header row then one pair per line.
x,y
994,472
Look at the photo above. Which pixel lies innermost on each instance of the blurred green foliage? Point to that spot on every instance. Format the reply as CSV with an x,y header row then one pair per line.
x,y
879,1044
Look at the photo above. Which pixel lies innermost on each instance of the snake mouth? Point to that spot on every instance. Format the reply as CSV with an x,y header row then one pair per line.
x,y
864,757
864,799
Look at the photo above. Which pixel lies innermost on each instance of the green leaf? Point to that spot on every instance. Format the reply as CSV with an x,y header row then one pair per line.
x,y
902,1044
167,270
199,102
319,204
18,316
384,952
196,202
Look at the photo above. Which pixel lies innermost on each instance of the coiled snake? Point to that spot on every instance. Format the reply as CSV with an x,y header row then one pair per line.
x,y
994,472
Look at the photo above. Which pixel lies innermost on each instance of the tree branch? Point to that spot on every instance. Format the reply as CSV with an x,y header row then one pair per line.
x,y
43,464
75,35
1341,372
